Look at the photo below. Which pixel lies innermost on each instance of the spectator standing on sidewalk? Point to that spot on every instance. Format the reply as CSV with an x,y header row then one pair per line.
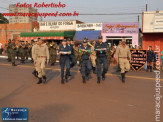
x,y
1,49
150,58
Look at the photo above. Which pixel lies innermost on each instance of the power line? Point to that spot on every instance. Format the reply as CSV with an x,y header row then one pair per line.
x,y
4,8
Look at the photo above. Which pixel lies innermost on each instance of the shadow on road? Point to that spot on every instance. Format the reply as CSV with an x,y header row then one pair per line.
x,y
51,74
51,113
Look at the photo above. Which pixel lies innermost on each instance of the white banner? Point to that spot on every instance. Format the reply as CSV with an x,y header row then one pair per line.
x,y
57,25
89,26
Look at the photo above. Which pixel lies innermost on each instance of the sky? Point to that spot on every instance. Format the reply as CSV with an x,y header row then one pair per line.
x,y
94,7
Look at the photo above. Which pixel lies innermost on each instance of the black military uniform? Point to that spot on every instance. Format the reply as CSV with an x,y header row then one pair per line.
x,y
85,61
64,52
72,57
101,49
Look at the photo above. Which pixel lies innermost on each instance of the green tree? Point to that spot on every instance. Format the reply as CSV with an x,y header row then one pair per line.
x,y
3,20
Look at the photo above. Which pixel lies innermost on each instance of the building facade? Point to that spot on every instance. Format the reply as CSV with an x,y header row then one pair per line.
x,y
21,19
152,29
115,32
13,30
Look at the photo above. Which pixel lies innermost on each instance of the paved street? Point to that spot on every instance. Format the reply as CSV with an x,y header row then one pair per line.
x,y
110,101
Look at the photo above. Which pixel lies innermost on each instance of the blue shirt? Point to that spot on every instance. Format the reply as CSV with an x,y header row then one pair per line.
x,y
85,55
72,49
64,49
100,46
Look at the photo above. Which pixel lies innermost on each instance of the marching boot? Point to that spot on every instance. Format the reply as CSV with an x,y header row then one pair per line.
x,y
150,68
40,81
98,80
94,70
34,72
44,79
87,76
123,77
147,68
84,81
103,77
66,78
126,72
13,64
62,80
32,61
52,64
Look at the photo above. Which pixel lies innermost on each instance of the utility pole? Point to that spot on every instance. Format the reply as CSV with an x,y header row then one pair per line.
x,y
146,7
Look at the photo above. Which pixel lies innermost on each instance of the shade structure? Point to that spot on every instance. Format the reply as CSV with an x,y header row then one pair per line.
x,y
47,35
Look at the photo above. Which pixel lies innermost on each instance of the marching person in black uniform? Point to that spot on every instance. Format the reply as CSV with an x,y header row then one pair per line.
x,y
150,58
101,49
86,66
72,57
64,52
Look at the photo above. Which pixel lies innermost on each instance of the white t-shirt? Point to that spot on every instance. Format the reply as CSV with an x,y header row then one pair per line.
x,y
0,45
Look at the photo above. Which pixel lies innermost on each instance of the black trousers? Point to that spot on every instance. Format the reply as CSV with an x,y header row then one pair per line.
x,y
99,62
64,61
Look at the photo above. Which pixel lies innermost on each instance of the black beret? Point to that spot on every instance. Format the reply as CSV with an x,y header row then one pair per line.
x,y
85,38
64,40
100,37
68,39
84,41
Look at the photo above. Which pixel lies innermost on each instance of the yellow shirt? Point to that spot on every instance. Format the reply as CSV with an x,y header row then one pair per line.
x,y
34,56
123,52
42,50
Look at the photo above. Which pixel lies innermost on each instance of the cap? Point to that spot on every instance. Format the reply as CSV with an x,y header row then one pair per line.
x,y
100,37
85,38
84,41
64,40
68,39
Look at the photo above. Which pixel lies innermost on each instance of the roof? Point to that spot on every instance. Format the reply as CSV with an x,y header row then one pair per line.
x,y
91,35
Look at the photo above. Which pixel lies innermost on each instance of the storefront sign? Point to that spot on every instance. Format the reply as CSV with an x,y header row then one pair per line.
x,y
138,59
89,26
152,21
158,23
57,25
132,27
